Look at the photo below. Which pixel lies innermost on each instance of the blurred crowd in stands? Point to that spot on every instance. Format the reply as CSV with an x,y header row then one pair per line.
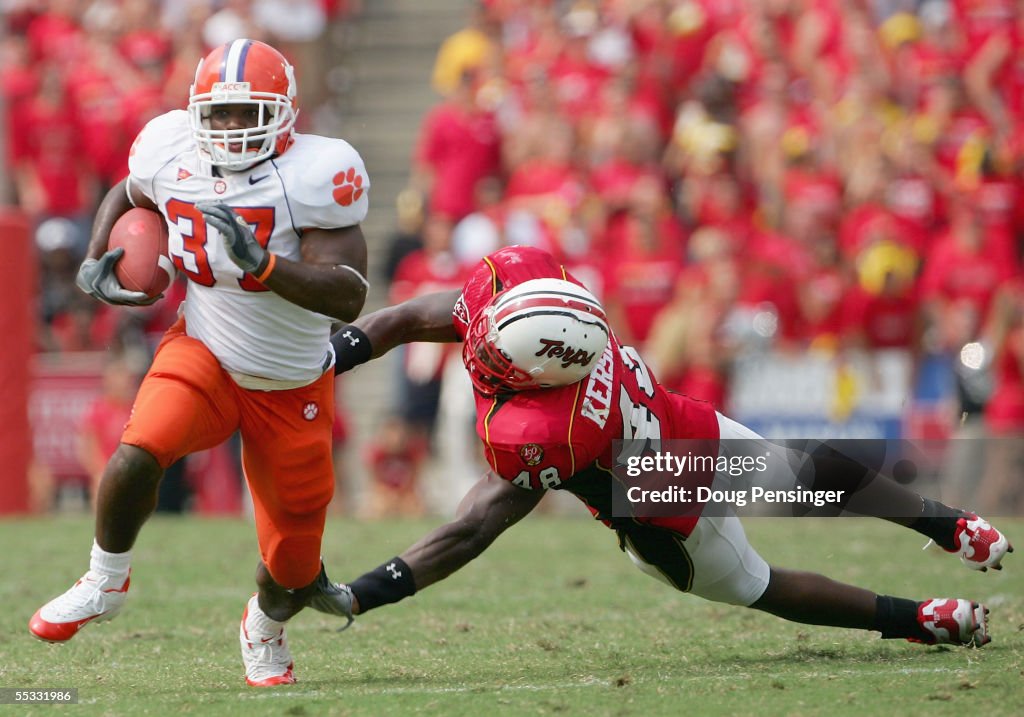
x,y
800,175
854,166
809,175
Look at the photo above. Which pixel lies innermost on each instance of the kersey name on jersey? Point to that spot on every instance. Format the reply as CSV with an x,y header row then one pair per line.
x,y
249,329
597,394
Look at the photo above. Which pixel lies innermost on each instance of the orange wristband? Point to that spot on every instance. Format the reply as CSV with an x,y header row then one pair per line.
x,y
270,267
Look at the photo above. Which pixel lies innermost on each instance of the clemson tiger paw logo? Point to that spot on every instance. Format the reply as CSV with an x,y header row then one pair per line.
x,y
348,187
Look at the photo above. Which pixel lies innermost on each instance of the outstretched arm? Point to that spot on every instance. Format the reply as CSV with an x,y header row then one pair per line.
x,y
489,508
425,318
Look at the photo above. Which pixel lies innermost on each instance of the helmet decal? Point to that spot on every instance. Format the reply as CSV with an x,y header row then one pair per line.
x,y
232,64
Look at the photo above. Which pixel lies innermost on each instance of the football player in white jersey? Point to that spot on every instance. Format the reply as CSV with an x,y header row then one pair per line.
x,y
264,223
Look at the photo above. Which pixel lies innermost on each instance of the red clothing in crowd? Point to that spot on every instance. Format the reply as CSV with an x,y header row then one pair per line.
x,y
642,280
1001,203
104,420
773,268
460,148
397,467
870,223
966,125
979,20
691,38
51,136
578,84
821,301
913,200
145,48
54,37
957,274
1005,410
79,328
882,321
105,136
815,191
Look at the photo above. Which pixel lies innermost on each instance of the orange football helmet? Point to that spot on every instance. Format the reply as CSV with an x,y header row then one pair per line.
x,y
243,71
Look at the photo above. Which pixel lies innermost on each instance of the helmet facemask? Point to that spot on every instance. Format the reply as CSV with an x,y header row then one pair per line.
x,y
491,369
276,120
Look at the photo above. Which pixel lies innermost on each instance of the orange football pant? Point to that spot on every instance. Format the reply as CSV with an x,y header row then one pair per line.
x,y
188,403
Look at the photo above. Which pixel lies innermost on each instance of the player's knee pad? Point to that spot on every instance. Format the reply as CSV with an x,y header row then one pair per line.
x,y
726,568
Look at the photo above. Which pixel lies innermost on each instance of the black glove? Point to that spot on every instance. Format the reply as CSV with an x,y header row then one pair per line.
x,y
96,278
242,246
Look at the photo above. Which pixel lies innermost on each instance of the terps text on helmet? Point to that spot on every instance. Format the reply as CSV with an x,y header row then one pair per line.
x,y
568,355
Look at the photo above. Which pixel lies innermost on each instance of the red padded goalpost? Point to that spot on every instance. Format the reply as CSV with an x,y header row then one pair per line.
x,y
17,312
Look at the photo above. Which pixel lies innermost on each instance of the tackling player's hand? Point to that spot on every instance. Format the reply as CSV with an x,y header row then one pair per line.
x,y
96,278
242,246
332,598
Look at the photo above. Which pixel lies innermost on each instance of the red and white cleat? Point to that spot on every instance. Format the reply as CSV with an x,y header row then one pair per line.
x,y
91,599
953,622
979,545
265,654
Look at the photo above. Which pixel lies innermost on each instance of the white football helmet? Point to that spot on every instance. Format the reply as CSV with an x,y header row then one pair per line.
x,y
539,334
243,72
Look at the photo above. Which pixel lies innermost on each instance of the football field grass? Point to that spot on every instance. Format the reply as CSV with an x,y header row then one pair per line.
x,y
553,620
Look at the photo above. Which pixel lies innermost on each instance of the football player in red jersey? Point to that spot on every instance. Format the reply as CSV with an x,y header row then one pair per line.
x,y
264,223
554,390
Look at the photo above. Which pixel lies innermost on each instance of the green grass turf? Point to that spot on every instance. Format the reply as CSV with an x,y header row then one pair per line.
x,y
553,620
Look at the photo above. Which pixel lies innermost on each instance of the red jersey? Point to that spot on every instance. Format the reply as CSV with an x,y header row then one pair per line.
x,y
979,20
1004,413
460,148
642,278
105,419
957,274
564,438
884,321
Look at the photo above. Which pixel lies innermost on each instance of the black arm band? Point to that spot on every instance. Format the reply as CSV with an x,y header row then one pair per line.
x,y
351,348
385,584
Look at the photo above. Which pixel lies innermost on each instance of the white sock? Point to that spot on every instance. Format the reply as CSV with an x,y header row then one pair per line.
x,y
113,565
258,621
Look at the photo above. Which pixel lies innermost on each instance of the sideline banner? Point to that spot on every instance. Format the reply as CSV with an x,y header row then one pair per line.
x,y
815,395
63,387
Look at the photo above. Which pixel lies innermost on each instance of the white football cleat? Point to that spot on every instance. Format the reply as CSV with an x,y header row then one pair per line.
x,y
953,622
91,599
265,653
979,545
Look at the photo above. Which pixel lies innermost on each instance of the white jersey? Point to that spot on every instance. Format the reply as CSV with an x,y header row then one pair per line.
x,y
317,183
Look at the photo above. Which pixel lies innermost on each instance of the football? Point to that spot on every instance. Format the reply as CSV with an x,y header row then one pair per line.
x,y
145,265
